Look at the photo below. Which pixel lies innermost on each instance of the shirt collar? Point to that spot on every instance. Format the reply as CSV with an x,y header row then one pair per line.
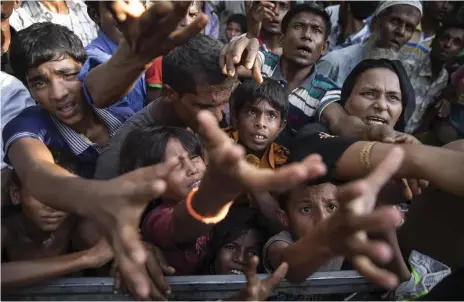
x,y
267,160
79,143
104,38
364,31
278,76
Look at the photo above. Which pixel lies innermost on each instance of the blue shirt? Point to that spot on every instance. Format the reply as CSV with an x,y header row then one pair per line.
x,y
35,122
99,51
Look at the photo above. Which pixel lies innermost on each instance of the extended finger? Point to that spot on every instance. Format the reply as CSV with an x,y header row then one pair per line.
x,y
404,187
424,184
210,131
165,267
381,219
277,276
283,178
132,244
386,169
256,72
250,272
252,48
152,173
374,274
222,59
160,285
414,185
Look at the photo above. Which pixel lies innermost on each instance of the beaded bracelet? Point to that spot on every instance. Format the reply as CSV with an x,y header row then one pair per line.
x,y
365,155
207,220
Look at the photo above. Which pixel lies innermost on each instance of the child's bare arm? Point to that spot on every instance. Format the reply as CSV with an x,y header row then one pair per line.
x,y
23,273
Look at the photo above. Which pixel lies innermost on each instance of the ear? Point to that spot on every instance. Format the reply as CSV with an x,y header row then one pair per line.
x,y
94,14
283,218
15,194
325,48
17,4
283,124
169,94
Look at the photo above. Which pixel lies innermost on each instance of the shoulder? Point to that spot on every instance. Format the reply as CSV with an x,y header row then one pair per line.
x,y
281,154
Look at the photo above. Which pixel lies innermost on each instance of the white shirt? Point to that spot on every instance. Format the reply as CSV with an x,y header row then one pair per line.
x,y
14,97
76,20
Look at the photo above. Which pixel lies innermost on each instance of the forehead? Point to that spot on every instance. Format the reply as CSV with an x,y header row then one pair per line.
x,y
249,238
307,17
405,11
454,32
325,190
381,78
174,148
261,104
53,67
214,94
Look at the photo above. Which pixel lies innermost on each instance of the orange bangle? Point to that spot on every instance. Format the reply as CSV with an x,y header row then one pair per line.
x,y
207,220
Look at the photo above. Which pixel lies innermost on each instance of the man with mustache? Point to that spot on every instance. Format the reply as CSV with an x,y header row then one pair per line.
x,y
393,25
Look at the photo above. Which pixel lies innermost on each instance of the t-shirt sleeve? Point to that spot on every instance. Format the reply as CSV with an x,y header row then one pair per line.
x,y
333,94
156,227
25,125
154,74
91,63
331,148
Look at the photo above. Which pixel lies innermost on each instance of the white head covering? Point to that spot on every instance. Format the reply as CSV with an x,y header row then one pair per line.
x,y
386,4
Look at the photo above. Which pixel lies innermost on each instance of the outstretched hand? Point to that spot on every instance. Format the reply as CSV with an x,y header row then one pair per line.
x,y
118,211
357,200
259,290
153,32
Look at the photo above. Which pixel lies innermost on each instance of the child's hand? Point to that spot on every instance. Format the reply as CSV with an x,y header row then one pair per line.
x,y
345,232
229,174
156,267
100,254
259,290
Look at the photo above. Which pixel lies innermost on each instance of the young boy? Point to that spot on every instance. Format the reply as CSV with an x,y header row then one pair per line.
x,y
236,25
300,211
37,240
258,112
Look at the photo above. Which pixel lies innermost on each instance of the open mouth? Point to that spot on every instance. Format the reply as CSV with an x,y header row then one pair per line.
x,y
305,51
235,272
371,120
259,138
195,184
66,108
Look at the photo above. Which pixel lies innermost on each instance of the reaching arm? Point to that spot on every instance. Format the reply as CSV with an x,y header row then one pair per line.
x,y
342,124
443,168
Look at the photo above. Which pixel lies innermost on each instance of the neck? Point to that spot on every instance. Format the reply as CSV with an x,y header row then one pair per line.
x,y
429,26
58,7
436,66
6,35
351,27
271,40
88,120
294,74
163,112
32,231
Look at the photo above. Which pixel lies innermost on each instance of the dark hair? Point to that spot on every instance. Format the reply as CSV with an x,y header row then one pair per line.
x,y
362,9
250,91
240,20
311,8
407,91
192,63
41,43
453,23
238,222
92,5
145,147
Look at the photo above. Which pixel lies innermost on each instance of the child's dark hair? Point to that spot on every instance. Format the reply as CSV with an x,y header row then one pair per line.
x,y
250,91
240,20
145,147
41,43
310,8
240,220
63,157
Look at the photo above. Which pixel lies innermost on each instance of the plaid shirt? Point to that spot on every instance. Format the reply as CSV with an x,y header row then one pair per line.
x,y
306,101
77,20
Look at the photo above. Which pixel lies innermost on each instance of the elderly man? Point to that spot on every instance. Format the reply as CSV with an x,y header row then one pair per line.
x,y
393,24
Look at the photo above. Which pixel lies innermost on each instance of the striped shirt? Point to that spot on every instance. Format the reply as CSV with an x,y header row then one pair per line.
x,y
306,101
76,20
35,122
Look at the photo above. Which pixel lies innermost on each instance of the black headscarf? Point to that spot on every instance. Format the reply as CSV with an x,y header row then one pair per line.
x,y
407,91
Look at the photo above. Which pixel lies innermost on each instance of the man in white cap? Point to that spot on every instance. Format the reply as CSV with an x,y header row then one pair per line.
x,y
393,25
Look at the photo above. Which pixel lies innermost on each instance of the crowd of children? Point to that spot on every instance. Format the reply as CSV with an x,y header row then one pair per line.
x,y
313,139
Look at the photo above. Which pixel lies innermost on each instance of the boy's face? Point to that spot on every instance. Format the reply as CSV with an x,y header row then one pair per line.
x,y
187,106
258,125
234,256
448,45
233,30
45,218
192,14
304,41
186,175
281,8
55,86
307,206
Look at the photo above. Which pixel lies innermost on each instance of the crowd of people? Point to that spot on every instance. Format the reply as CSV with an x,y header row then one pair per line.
x,y
142,139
